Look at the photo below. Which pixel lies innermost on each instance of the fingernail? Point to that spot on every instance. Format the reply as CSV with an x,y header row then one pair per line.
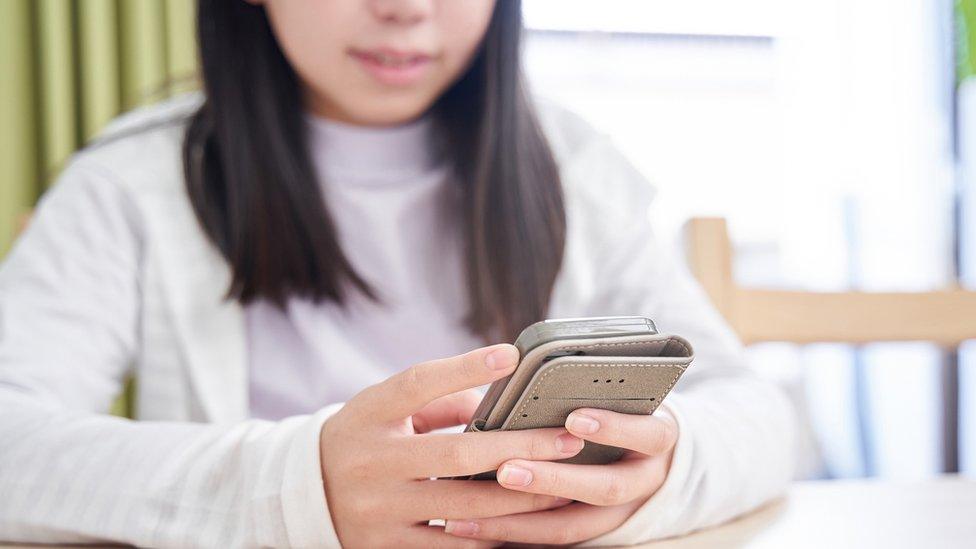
x,y
568,444
461,527
514,476
500,359
584,425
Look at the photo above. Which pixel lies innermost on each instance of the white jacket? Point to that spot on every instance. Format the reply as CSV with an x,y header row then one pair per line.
x,y
114,277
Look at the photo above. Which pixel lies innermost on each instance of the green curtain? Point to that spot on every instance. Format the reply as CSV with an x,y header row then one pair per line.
x,y
70,66
965,39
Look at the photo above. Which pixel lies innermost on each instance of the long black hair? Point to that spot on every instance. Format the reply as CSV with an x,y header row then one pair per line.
x,y
252,185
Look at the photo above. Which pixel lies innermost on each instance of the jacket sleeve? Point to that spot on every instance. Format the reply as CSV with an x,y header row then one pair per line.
x,y
69,300
735,445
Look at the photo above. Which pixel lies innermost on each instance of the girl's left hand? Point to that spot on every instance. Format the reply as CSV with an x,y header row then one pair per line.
x,y
605,495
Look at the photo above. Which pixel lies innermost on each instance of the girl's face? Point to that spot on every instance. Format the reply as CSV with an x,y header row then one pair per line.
x,y
377,62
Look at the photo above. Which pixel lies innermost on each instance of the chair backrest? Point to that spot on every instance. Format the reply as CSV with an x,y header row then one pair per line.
x,y
946,317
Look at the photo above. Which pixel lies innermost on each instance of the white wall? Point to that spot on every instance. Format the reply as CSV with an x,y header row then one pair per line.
x,y
821,131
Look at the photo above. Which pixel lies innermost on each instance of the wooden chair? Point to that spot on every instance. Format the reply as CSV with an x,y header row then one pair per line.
x,y
945,317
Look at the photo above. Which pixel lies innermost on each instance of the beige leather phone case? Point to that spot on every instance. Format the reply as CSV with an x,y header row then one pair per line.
x,y
629,374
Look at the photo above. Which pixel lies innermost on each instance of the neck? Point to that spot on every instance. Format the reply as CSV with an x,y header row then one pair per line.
x,y
371,153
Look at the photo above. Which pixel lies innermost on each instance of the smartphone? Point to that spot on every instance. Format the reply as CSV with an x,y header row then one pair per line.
x,y
618,363
567,328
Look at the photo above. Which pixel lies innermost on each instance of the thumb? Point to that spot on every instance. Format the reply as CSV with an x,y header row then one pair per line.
x,y
447,411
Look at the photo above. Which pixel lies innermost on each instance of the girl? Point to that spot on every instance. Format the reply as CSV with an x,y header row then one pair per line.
x,y
362,188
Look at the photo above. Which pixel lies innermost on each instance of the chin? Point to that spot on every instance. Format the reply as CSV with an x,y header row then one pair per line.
x,y
386,111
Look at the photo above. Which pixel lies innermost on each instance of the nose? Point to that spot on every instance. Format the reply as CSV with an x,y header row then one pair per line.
x,y
403,12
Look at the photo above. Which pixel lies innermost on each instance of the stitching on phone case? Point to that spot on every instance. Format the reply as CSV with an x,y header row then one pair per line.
x,y
535,387
688,350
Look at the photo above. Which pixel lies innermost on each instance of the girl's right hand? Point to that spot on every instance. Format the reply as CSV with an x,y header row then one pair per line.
x,y
378,458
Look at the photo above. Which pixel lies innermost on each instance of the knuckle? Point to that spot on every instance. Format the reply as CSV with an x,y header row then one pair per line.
x,y
615,491
610,425
458,453
657,476
542,502
410,382
497,530
670,433
471,364
663,437
551,481
538,446
360,404
567,535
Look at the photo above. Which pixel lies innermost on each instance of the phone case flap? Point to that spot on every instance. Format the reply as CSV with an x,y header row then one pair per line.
x,y
624,384
640,349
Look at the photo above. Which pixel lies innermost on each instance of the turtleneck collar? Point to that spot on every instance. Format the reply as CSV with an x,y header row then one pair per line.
x,y
371,155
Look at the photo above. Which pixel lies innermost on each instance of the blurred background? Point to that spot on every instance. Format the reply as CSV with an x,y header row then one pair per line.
x,y
837,137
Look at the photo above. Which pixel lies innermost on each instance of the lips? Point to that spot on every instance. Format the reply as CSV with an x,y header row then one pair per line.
x,y
393,67
389,58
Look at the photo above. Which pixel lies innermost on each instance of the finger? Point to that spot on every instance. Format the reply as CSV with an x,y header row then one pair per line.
x,y
611,484
647,434
435,537
448,411
452,499
461,454
405,393
570,524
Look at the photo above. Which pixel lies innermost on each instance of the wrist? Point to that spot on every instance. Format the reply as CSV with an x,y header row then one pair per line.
x,y
308,521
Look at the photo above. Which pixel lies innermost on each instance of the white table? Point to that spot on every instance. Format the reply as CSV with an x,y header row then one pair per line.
x,y
939,513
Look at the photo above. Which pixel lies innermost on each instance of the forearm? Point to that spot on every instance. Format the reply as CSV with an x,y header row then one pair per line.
x,y
67,477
